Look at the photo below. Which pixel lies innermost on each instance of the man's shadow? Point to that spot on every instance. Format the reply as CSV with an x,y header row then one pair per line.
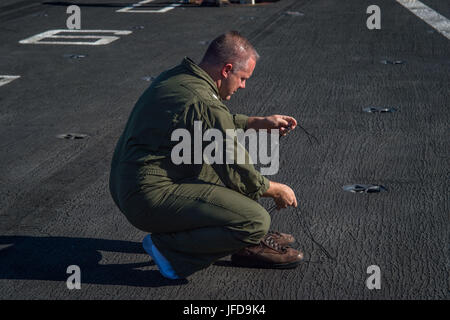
x,y
47,258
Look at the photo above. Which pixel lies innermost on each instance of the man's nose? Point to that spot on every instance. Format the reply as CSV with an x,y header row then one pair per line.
x,y
243,84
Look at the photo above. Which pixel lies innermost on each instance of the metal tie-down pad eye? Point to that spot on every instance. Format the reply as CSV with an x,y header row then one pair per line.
x,y
247,18
392,61
294,13
148,78
379,109
364,188
40,14
75,56
72,136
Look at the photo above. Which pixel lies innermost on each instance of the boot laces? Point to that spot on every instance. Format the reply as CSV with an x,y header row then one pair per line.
x,y
272,243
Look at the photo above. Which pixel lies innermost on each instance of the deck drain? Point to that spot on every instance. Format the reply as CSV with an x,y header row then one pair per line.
x,y
148,78
392,61
75,56
138,27
379,110
364,188
72,136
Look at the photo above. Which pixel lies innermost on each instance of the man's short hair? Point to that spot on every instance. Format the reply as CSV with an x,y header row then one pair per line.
x,y
230,47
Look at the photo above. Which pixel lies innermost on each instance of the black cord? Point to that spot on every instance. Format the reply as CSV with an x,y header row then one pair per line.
x,y
309,135
304,225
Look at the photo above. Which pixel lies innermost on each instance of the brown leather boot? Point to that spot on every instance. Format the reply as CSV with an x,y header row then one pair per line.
x,y
284,239
267,254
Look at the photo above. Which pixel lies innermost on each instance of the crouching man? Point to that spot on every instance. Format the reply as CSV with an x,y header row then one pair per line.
x,y
196,213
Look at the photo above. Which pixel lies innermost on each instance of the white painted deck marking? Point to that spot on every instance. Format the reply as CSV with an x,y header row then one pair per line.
x,y
52,34
434,19
139,4
7,79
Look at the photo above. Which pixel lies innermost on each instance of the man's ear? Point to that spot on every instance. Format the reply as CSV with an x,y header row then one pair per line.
x,y
226,70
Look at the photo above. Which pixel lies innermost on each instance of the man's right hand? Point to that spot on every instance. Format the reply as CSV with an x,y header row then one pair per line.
x,y
281,194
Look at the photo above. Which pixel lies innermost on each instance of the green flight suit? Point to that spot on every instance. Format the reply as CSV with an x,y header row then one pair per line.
x,y
196,213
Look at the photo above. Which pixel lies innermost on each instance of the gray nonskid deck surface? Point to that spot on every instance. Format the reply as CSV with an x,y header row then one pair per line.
x,y
322,67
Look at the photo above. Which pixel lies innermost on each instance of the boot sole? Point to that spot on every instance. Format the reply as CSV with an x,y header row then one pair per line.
x,y
238,261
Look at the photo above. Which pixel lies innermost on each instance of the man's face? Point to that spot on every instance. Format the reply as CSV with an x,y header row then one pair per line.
x,y
233,80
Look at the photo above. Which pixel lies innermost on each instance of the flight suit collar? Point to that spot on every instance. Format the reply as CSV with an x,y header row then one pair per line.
x,y
199,72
